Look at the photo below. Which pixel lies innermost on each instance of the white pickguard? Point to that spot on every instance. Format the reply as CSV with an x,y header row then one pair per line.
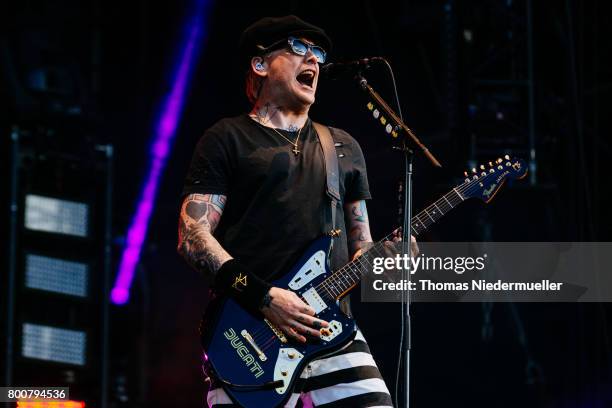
x,y
314,267
286,363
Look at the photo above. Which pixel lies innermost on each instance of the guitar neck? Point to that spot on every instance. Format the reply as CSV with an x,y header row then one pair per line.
x,y
346,278
430,215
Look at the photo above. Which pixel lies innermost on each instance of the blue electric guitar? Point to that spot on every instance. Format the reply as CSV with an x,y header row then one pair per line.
x,y
257,363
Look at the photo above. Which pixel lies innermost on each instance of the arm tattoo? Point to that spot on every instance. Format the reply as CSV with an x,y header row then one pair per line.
x,y
200,215
358,225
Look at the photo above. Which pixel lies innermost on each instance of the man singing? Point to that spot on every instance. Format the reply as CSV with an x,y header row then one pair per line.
x,y
255,198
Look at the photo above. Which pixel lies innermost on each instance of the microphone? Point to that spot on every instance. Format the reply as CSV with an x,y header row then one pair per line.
x,y
335,70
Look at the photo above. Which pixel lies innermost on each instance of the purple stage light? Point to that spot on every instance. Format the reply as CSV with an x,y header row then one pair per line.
x,y
160,147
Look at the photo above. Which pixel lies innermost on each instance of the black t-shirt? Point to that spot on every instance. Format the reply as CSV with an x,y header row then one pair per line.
x,y
276,201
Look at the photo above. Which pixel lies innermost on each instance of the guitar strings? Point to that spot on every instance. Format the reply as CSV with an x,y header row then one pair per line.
x,y
329,284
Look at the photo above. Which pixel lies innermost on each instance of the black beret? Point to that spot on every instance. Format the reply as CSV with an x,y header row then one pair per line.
x,y
270,30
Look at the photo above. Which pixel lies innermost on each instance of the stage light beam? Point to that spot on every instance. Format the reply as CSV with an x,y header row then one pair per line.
x,y
160,148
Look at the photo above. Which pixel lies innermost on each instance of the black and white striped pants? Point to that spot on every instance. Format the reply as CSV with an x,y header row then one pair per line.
x,y
348,378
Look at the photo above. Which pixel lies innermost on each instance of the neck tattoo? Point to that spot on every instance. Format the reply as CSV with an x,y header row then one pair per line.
x,y
265,113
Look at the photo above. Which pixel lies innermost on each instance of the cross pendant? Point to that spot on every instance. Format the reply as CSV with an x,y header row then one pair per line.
x,y
295,150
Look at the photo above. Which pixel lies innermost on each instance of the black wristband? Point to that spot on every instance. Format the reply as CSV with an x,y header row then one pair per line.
x,y
246,288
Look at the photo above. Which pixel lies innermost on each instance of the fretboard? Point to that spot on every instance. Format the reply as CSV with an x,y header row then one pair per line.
x,y
430,215
344,279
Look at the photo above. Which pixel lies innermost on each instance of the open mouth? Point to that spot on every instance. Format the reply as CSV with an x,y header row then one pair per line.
x,y
306,78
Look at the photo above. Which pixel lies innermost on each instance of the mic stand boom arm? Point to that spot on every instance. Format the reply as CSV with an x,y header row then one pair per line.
x,y
396,122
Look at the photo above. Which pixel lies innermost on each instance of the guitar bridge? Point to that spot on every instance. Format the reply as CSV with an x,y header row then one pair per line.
x,y
277,332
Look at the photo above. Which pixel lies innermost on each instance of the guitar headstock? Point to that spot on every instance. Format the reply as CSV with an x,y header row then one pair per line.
x,y
484,182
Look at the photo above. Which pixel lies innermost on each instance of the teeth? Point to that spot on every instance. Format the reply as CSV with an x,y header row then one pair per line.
x,y
308,73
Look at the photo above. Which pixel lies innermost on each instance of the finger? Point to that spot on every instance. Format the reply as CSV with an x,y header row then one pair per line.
x,y
312,322
397,235
301,306
302,329
307,310
318,323
292,332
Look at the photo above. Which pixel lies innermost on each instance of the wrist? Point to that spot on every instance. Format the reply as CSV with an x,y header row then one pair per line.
x,y
266,300
246,288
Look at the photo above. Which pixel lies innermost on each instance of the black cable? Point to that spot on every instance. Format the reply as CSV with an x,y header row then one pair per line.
x,y
397,101
402,327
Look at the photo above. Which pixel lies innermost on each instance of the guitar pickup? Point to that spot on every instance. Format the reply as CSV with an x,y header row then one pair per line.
x,y
250,340
314,300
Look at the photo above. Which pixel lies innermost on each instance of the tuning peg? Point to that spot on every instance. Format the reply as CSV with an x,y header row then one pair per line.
x,y
507,157
490,164
499,160
482,167
465,173
474,170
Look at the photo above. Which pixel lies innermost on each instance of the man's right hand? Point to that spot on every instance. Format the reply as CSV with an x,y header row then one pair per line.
x,y
294,317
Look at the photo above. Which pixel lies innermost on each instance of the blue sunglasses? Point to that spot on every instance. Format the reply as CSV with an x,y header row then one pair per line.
x,y
300,47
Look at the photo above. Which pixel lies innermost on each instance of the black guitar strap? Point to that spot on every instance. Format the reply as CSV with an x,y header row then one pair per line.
x,y
333,188
331,169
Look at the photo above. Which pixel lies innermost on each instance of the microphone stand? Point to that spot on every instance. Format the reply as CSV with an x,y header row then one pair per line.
x,y
396,127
